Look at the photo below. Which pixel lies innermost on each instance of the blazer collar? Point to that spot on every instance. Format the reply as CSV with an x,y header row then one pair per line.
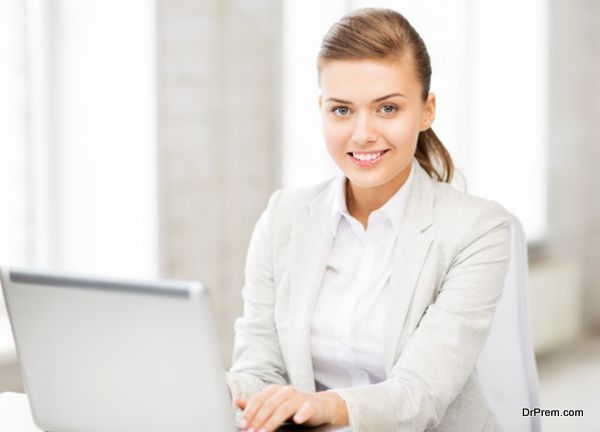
x,y
421,201
310,246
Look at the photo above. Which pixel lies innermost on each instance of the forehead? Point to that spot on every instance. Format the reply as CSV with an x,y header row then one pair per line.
x,y
356,79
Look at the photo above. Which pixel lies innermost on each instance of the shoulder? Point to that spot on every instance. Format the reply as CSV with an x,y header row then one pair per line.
x,y
451,202
286,202
458,214
285,205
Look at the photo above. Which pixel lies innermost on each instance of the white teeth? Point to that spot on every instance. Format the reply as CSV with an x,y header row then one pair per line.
x,y
366,156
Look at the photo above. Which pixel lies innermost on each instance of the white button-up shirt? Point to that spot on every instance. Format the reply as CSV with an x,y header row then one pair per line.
x,y
347,324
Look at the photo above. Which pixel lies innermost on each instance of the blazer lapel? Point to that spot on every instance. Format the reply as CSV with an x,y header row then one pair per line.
x,y
311,242
412,245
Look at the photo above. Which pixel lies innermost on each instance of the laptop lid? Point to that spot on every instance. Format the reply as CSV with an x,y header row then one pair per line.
x,y
112,355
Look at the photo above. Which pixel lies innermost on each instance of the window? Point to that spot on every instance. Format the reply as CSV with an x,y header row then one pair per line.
x,y
13,176
78,136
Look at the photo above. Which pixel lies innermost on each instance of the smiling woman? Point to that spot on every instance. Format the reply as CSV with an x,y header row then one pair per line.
x,y
368,297
383,131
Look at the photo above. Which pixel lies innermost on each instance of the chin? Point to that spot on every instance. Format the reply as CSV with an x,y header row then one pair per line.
x,y
368,181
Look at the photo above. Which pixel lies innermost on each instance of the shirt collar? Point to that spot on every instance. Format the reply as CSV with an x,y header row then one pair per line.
x,y
338,208
393,208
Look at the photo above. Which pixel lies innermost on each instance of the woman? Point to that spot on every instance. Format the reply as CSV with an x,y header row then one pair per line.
x,y
369,297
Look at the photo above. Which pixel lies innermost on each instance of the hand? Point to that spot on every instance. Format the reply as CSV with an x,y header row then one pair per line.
x,y
274,405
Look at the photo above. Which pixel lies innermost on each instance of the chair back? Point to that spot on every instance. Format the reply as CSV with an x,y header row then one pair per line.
x,y
506,368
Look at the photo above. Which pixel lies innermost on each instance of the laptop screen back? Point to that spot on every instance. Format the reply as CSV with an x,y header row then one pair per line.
x,y
113,355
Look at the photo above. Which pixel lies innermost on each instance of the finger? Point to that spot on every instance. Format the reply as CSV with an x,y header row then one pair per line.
x,y
241,403
270,405
254,404
282,413
304,413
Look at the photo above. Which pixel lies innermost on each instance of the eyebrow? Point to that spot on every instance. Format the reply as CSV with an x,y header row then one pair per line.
x,y
375,100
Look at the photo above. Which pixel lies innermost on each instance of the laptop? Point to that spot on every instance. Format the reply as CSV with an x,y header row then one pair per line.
x,y
115,355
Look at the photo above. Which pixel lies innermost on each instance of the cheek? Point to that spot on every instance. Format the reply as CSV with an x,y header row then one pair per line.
x,y
335,134
402,133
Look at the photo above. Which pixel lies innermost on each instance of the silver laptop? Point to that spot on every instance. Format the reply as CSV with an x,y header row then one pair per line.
x,y
111,355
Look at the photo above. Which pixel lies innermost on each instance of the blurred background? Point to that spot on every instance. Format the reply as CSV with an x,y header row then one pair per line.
x,y
142,138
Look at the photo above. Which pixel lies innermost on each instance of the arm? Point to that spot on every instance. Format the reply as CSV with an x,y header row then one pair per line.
x,y
442,352
257,359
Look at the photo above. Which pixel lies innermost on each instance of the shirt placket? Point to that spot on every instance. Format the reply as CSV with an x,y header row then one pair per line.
x,y
344,322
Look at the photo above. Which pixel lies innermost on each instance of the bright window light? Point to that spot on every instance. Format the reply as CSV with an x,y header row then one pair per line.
x,y
94,197
13,176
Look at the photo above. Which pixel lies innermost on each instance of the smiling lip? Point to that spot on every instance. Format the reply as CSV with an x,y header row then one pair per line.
x,y
367,152
367,163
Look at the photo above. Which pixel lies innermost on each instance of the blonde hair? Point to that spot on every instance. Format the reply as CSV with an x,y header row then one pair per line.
x,y
384,34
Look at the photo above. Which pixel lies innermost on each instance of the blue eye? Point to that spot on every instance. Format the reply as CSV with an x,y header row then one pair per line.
x,y
393,107
343,113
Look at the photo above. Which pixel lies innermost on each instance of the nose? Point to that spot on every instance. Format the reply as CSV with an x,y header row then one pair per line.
x,y
365,130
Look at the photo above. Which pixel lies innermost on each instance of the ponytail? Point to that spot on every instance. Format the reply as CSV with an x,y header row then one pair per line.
x,y
433,157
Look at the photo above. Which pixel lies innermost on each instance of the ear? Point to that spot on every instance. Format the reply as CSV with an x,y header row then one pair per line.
x,y
428,112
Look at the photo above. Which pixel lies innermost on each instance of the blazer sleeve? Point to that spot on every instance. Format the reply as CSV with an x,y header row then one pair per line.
x,y
442,352
257,360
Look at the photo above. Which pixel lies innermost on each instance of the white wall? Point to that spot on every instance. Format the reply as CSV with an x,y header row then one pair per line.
x,y
219,135
574,147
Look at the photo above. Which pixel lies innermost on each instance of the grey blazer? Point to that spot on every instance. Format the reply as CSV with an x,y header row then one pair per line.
x,y
447,278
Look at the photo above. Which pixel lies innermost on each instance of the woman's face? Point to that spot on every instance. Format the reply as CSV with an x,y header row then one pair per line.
x,y
372,113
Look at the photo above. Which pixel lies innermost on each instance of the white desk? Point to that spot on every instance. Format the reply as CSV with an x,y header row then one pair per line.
x,y
15,415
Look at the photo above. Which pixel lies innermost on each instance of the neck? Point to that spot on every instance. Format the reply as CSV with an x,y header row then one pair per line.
x,y
362,201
